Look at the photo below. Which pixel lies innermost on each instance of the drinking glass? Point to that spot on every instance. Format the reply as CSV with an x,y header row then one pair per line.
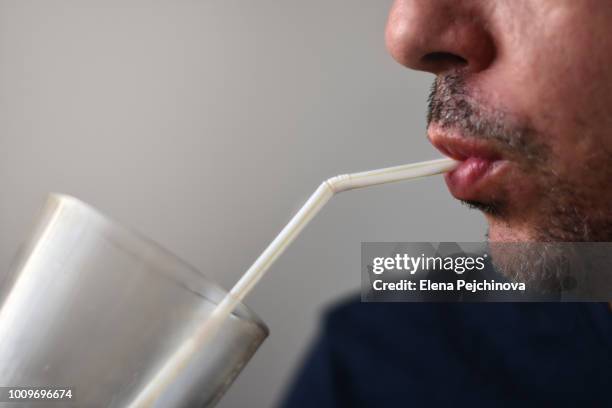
x,y
96,308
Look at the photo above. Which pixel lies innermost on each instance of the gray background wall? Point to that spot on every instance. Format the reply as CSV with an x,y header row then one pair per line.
x,y
205,125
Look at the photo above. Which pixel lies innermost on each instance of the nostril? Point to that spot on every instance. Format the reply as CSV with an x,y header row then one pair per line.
x,y
437,57
440,61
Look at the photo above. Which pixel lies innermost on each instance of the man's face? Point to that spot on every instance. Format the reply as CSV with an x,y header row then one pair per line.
x,y
523,97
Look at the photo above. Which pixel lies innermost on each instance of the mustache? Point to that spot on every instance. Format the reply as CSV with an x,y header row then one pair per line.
x,y
450,105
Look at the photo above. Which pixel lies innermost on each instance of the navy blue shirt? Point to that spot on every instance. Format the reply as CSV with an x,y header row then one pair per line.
x,y
380,355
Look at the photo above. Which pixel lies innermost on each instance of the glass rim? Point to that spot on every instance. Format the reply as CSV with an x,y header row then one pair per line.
x,y
154,249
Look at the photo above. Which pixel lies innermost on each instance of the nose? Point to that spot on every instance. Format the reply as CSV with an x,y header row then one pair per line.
x,y
439,35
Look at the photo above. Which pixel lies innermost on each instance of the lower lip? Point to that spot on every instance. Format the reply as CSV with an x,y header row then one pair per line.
x,y
466,179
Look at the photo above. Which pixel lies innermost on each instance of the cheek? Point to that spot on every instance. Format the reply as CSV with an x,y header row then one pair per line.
x,y
555,74
567,105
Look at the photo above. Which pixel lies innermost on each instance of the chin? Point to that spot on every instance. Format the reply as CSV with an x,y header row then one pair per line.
x,y
507,231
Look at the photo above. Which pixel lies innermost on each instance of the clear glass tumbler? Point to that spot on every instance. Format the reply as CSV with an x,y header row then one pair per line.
x,y
93,307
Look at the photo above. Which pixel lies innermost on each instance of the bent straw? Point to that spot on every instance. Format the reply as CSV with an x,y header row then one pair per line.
x,y
313,205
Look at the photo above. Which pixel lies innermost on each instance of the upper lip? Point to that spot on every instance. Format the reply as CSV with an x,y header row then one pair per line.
x,y
455,145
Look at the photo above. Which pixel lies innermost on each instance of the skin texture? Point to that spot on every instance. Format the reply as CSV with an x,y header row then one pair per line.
x,y
533,80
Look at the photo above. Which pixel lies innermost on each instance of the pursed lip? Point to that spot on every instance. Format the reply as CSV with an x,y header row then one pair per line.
x,y
478,176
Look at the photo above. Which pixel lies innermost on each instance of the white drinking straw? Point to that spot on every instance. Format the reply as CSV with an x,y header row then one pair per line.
x,y
327,189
